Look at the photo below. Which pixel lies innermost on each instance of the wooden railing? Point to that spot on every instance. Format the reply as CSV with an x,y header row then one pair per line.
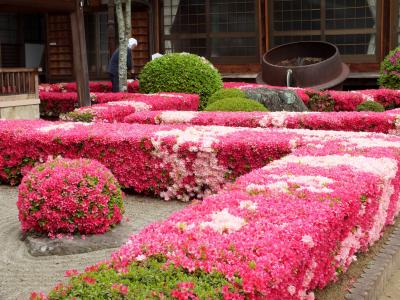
x,y
19,81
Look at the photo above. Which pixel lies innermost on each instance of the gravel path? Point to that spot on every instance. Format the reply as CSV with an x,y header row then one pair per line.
x,y
21,273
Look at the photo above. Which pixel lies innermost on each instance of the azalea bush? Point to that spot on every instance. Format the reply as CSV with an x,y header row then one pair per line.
x,y
183,73
236,104
387,122
320,102
57,103
390,70
370,106
344,100
277,232
94,87
171,161
226,93
64,196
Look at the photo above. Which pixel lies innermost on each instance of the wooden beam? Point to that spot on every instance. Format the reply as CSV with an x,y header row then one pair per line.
x,y
42,5
111,27
80,55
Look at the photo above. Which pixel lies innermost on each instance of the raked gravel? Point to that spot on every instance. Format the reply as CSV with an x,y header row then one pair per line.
x,y
21,273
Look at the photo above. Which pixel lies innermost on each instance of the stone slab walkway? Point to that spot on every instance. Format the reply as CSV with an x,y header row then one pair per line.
x,y
21,273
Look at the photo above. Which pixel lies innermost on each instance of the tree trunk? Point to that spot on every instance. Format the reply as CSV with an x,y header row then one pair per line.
x,y
124,33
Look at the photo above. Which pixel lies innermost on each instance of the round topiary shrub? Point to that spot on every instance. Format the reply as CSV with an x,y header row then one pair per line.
x,y
370,106
64,196
181,72
390,70
236,104
226,93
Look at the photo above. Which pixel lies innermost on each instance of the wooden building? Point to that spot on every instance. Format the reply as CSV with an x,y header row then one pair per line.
x,y
232,34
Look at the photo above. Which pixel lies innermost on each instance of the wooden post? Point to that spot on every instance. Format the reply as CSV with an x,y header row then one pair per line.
x,y
80,55
111,27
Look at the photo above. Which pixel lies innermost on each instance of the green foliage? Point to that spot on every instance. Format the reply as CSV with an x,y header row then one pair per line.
x,y
150,279
183,73
226,93
78,116
370,106
390,70
236,104
320,101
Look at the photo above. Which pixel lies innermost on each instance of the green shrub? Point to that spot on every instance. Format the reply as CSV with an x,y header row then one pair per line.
x,y
320,101
150,279
236,104
86,116
226,93
390,70
370,106
182,73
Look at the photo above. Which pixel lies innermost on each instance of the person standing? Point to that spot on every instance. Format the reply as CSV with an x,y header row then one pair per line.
x,y
113,66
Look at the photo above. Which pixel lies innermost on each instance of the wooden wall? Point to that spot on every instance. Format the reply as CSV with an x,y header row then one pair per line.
x,y
140,31
59,48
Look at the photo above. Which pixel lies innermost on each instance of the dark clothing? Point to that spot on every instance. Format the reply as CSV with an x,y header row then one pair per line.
x,y
113,68
115,82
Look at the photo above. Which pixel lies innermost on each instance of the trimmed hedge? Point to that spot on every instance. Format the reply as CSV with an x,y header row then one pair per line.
x,y
370,106
181,72
236,104
226,93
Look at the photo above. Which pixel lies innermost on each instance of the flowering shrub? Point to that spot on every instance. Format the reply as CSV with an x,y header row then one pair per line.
x,y
170,161
181,72
56,103
94,87
225,93
344,100
320,102
370,106
390,70
387,122
235,104
69,196
278,232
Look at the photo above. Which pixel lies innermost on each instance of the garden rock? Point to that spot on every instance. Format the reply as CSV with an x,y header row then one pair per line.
x,y
277,100
41,245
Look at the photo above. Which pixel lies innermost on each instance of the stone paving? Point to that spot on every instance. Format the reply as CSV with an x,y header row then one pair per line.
x,y
392,291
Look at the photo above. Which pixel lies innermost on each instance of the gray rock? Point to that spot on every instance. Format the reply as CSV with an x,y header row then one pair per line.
x,y
40,245
276,99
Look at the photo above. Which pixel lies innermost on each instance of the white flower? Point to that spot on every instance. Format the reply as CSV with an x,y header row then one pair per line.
x,y
291,289
250,205
308,240
224,222
139,106
177,116
141,257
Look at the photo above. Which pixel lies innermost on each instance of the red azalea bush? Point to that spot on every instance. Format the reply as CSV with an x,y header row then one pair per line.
x,y
94,87
56,103
69,196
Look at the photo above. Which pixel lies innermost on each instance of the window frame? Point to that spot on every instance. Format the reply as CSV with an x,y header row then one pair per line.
x,y
354,58
208,36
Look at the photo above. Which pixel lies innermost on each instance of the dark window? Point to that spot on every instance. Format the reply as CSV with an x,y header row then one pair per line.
x,y
97,43
221,30
349,24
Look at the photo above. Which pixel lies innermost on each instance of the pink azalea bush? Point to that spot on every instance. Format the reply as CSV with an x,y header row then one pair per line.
x,y
386,122
171,161
64,196
56,103
94,87
277,232
344,100
116,111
